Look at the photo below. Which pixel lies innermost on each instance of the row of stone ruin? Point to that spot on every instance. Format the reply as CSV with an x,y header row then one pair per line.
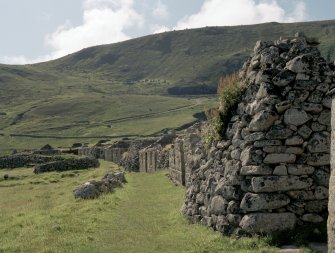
x,y
271,173
138,155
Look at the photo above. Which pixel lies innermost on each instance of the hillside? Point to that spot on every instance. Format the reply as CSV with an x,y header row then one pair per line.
x,y
123,88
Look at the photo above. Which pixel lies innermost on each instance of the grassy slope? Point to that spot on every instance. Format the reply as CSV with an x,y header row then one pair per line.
x,y
78,95
39,214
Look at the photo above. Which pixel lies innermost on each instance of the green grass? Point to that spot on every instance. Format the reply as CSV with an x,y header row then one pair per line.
x,y
39,214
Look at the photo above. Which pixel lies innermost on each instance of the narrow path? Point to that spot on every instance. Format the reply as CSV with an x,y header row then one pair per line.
x,y
147,219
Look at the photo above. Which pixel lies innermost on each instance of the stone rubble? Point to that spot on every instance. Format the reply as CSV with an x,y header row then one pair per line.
x,y
107,184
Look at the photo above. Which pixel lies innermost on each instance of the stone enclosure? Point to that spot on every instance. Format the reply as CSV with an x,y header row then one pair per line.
x,y
271,172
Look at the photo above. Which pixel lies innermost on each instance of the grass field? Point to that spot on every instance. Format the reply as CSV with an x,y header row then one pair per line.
x,y
82,116
39,214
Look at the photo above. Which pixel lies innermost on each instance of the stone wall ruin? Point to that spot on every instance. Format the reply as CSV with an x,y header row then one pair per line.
x,y
271,173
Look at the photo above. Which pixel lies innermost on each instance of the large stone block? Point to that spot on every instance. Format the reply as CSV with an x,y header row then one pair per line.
x,y
280,183
319,143
255,202
218,205
268,222
275,158
255,170
263,121
300,64
295,117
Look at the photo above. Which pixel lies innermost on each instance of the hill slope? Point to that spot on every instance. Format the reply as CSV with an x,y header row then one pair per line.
x,y
83,94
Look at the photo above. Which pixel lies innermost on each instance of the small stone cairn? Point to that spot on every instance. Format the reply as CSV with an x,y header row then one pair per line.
x,y
271,173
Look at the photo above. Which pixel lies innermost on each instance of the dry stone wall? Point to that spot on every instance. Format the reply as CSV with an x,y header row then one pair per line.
x,y
186,152
272,171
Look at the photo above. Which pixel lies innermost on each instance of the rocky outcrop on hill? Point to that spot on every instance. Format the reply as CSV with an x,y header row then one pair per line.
x,y
68,164
271,173
94,189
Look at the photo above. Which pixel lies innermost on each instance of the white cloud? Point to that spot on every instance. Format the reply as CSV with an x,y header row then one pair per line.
x,y
160,11
159,29
104,21
240,12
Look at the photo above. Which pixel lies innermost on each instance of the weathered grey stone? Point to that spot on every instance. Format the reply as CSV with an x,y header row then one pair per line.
x,y
265,90
247,157
283,149
200,198
255,202
283,106
324,118
279,158
280,170
263,120
279,183
264,143
312,107
321,192
300,169
316,206
227,191
279,134
318,159
218,205
231,173
234,219
304,131
255,136
283,78
301,195
300,64
268,222
295,117
236,154
327,102
255,170
297,96
315,97
324,87
319,143
317,127
86,191
311,217
233,207
321,178
294,141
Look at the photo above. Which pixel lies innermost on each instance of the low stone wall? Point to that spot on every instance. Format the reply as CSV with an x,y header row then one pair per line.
x,y
20,160
114,154
68,164
185,154
148,160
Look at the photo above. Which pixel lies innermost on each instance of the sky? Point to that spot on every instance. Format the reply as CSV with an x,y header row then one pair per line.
x,y
41,30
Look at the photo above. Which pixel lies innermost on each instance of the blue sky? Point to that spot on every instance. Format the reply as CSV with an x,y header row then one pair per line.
x,y
40,30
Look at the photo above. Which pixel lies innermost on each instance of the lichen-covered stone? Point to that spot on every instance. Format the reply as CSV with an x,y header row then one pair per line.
x,y
268,222
279,183
255,170
295,117
279,158
256,202
263,120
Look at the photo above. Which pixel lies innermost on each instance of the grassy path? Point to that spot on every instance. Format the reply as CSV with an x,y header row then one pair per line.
x,y
39,214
